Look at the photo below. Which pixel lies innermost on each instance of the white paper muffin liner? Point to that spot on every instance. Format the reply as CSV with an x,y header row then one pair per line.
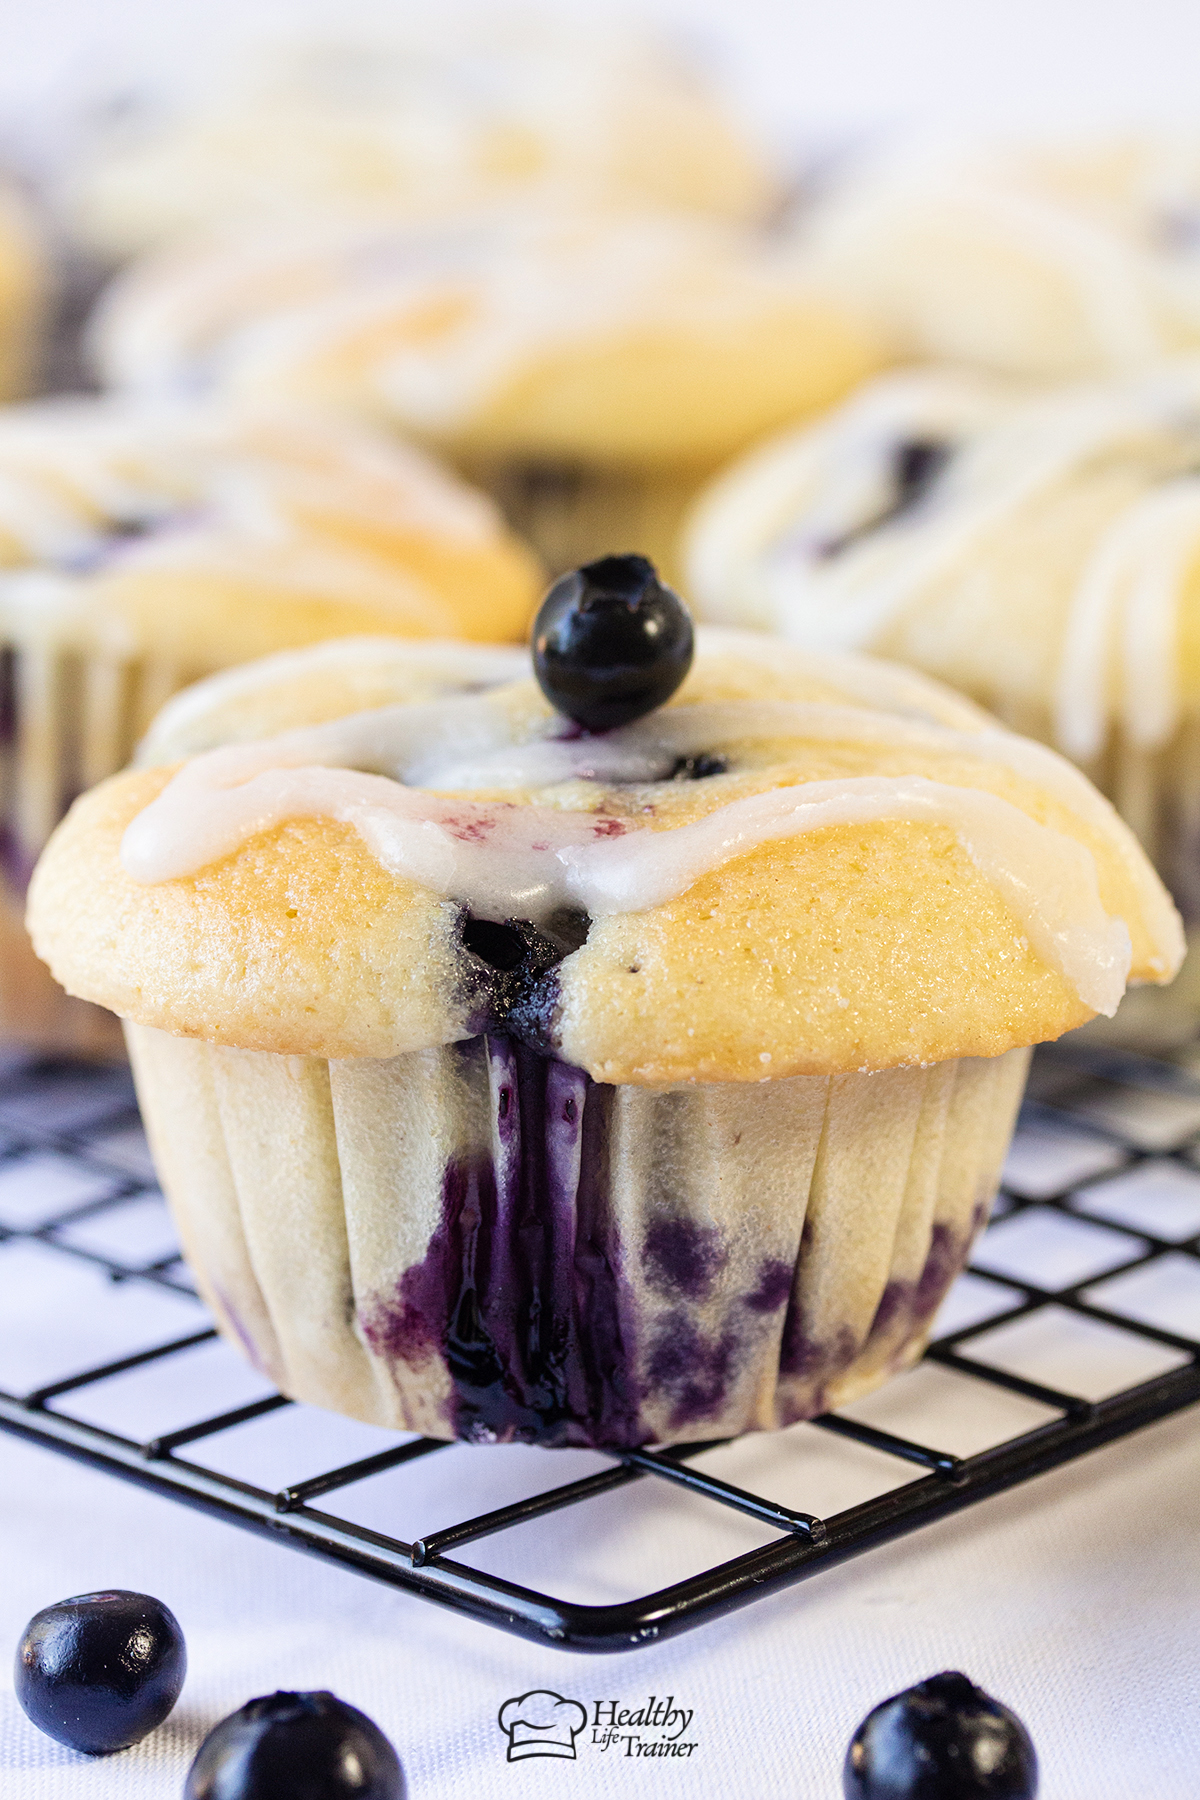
x,y
480,1242
70,714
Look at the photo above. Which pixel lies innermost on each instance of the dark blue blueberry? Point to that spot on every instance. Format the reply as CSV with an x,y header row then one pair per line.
x,y
917,464
611,642
944,1739
698,768
101,1670
296,1747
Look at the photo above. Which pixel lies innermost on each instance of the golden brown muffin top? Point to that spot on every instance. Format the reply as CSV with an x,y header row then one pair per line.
x,y
800,864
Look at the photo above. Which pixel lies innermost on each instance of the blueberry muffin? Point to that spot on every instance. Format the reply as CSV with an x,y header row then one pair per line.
x,y
416,120
1054,260
589,367
141,547
627,1062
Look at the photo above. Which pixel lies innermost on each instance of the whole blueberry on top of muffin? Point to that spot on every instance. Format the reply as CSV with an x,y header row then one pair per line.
x,y
611,642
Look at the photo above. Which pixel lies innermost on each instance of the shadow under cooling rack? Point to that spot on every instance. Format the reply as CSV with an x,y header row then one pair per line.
x,y
1078,1322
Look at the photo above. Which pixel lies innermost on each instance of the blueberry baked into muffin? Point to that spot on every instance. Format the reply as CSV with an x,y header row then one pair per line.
x,y
590,367
142,547
623,1062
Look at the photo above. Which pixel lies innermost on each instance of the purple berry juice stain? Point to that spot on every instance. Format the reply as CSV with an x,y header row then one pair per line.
x,y
683,1257
694,1371
521,1288
774,1289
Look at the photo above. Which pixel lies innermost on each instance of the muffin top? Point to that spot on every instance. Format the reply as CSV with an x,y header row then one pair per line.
x,y
206,534
623,338
799,864
1044,259
1040,551
419,117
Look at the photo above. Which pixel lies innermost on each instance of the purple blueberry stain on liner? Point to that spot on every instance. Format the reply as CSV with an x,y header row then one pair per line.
x,y
910,1304
775,1278
947,1253
693,1370
521,1288
807,1357
683,1257
237,1325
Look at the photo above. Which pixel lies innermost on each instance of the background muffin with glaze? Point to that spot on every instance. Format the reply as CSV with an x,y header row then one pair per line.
x,y
143,546
590,366
1048,258
417,118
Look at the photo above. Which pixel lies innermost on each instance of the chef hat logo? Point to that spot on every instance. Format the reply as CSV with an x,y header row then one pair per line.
x,y
541,1723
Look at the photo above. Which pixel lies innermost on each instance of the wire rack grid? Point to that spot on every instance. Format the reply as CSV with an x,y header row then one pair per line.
x,y
1098,1230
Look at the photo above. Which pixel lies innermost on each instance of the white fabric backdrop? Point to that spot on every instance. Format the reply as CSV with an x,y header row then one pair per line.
x,y
805,70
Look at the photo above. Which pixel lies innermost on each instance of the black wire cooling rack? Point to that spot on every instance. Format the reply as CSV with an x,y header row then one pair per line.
x,y
1098,1229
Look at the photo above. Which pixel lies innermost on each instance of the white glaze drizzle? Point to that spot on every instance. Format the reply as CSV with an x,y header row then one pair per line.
x,y
70,472
431,321
1125,603
896,217
1126,600
1112,282
442,666
525,861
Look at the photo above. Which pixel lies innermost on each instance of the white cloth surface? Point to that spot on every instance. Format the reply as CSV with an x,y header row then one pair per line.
x,y
1073,1598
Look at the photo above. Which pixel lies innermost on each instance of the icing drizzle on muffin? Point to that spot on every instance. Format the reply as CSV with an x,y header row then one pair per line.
x,y
570,820
811,535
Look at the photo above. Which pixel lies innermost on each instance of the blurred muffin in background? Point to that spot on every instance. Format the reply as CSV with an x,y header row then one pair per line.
x,y
420,118
143,547
590,368
24,293
1053,260
1039,552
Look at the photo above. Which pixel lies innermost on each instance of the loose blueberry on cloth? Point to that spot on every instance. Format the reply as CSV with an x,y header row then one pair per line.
x,y
944,1739
100,1671
296,1747
611,643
